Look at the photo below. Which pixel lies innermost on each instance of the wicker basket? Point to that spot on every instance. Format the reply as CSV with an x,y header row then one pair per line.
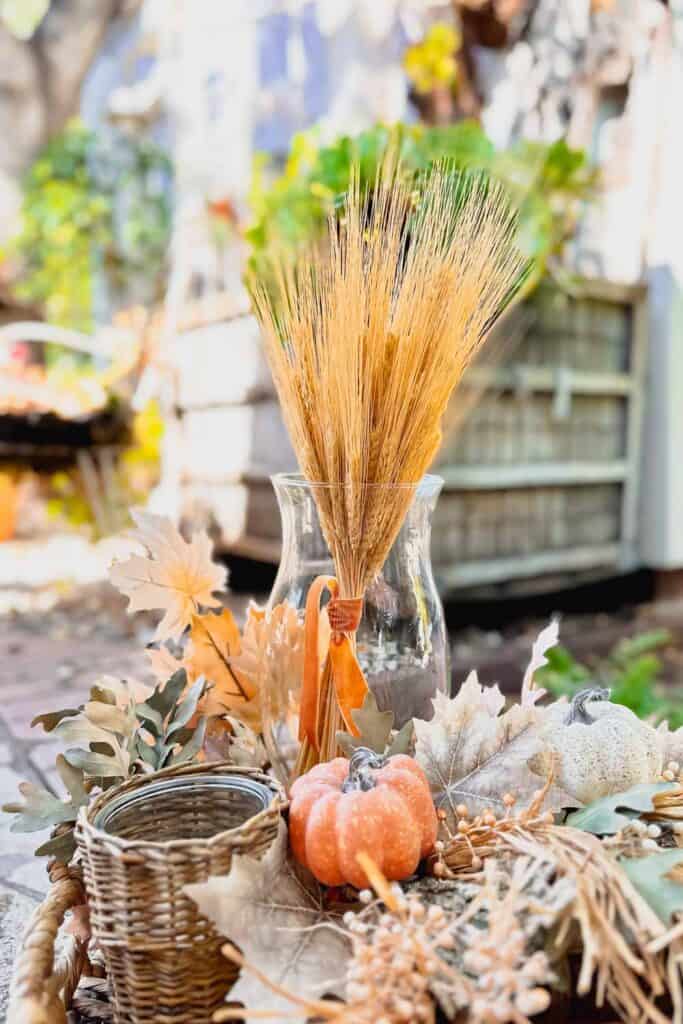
x,y
162,957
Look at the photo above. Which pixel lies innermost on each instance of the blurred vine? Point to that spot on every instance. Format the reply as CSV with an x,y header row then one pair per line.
x,y
548,183
92,203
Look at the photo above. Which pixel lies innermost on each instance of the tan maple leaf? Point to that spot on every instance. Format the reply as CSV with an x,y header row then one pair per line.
x,y
474,755
275,913
214,642
272,656
175,576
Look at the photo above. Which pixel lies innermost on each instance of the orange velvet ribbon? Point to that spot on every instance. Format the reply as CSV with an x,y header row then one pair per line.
x,y
349,682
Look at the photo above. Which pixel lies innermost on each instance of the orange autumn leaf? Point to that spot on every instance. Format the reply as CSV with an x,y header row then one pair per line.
x,y
214,641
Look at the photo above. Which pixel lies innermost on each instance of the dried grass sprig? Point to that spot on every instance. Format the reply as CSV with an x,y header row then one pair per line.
x,y
367,336
626,953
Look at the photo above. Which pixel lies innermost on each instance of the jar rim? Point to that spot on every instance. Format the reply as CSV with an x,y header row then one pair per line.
x,y
429,482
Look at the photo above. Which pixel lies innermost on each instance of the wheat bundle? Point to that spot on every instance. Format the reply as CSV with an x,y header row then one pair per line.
x,y
367,336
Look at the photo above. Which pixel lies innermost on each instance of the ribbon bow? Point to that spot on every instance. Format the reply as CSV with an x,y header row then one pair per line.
x,y
349,682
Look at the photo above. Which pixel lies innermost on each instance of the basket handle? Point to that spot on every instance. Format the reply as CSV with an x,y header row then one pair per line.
x,y
42,987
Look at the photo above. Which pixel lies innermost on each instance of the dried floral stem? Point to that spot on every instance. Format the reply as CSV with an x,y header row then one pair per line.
x,y
620,934
367,337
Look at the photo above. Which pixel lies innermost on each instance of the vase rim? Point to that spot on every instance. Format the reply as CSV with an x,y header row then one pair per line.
x,y
429,482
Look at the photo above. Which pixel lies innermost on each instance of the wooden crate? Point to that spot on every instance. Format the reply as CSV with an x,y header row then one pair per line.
x,y
543,476
542,480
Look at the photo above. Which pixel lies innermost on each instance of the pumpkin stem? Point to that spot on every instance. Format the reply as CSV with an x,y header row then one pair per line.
x,y
364,762
577,708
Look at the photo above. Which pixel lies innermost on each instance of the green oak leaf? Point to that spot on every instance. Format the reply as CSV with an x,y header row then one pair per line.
x,y
610,814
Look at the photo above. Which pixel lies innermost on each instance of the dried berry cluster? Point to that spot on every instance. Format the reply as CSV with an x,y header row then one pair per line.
x,y
477,837
394,958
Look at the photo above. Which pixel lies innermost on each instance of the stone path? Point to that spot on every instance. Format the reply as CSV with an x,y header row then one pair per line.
x,y
55,641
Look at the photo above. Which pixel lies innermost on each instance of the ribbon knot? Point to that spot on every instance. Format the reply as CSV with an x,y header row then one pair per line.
x,y
345,614
349,682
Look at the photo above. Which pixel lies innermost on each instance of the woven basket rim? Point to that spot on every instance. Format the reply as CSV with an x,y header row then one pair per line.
x,y
85,825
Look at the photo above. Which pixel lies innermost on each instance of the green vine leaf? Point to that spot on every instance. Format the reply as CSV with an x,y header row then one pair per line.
x,y
610,814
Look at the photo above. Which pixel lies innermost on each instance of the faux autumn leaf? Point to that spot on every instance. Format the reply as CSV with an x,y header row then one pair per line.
x,y
42,809
658,880
472,754
672,743
610,814
173,576
162,663
214,641
375,729
546,639
275,915
272,655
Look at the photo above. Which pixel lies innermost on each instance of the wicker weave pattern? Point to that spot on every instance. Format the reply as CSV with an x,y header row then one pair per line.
x,y
163,958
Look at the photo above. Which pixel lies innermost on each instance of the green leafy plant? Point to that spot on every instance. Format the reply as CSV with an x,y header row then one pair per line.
x,y
632,672
92,200
548,183
111,736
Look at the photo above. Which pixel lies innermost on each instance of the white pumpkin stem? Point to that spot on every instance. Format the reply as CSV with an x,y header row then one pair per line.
x,y
577,708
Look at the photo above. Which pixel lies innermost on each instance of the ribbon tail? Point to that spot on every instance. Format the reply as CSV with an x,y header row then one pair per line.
x,y
310,688
349,682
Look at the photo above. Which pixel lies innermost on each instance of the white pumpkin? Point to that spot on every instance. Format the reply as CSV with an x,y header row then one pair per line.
x,y
600,748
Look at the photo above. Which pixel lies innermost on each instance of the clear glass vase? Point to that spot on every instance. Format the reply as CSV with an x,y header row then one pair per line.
x,y
402,644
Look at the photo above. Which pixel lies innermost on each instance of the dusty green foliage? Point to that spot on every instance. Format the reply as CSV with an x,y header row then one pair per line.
x,y
110,737
659,880
610,814
632,672
376,731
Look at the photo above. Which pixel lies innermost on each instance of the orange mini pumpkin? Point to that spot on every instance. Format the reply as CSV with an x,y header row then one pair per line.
x,y
382,807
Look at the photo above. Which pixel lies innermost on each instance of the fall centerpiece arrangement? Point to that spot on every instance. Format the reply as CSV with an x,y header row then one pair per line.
x,y
489,861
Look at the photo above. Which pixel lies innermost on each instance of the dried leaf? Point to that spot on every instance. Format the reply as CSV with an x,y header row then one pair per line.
x,y
162,663
610,814
215,640
42,809
275,914
672,743
652,877
62,847
271,656
51,719
376,731
472,754
231,740
174,576
546,639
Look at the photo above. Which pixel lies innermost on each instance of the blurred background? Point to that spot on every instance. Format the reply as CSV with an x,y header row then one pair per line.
x,y
153,149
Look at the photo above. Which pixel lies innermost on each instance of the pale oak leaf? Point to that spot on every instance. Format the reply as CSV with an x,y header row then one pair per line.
x,y
275,913
546,639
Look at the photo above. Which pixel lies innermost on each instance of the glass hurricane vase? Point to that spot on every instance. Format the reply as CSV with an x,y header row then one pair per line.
x,y
402,643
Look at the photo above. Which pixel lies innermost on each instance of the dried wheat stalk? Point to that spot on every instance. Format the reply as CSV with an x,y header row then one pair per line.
x,y
367,336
